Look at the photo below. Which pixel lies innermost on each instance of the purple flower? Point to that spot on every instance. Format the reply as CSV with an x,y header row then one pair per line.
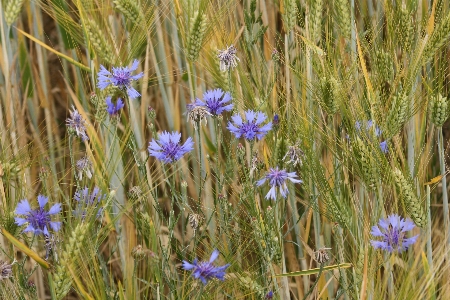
x,y
252,127
113,109
277,178
84,165
384,147
86,200
120,77
76,125
216,101
39,220
393,230
168,148
228,58
269,295
5,270
205,270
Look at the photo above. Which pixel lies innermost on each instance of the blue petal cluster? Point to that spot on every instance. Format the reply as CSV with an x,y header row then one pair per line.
x,y
77,124
120,77
88,200
168,147
39,220
216,101
277,178
205,270
250,128
392,231
113,109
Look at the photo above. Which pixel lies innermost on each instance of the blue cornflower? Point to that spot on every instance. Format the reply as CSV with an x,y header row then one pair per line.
x,y
269,295
86,200
393,230
277,178
205,270
120,77
76,125
252,127
216,101
39,220
168,148
370,126
113,109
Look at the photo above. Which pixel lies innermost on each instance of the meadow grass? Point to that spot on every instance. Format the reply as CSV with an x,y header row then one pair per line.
x,y
259,150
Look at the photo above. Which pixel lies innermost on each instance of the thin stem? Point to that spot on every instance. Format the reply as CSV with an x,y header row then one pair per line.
x,y
444,185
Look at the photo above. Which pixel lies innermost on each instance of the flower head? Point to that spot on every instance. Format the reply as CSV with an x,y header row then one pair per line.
x,y
277,178
120,77
228,58
39,220
5,270
205,270
393,231
88,200
295,155
216,101
269,295
113,109
252,127
168,148
84,165
196,114
76,125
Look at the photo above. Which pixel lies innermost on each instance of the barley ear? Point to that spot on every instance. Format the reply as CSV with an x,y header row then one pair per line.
x,y
343,17
12,10
196,36
439,110
69,256
97,38
412,204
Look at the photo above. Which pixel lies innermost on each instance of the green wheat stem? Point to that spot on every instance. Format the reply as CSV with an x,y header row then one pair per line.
x,y
444,184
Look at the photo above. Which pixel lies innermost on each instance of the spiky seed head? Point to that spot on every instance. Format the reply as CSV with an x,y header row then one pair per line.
x,y
439,110
196,35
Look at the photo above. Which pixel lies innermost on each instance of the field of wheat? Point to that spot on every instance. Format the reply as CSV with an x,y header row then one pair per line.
x,y
224,149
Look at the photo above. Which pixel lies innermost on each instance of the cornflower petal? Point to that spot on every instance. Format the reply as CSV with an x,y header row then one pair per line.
x,y
250,128
42,200
55,209
168,149
23,207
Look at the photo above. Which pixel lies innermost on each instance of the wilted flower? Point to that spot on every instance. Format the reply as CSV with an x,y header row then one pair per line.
x,y
295,155
277,178
196,114
39,220
393,231
84,165
5,270
86,200
76,125
151,112
168,148
252,127
205,270
135,192
228,58
194,221
216,101
120,77
113,109
321,255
